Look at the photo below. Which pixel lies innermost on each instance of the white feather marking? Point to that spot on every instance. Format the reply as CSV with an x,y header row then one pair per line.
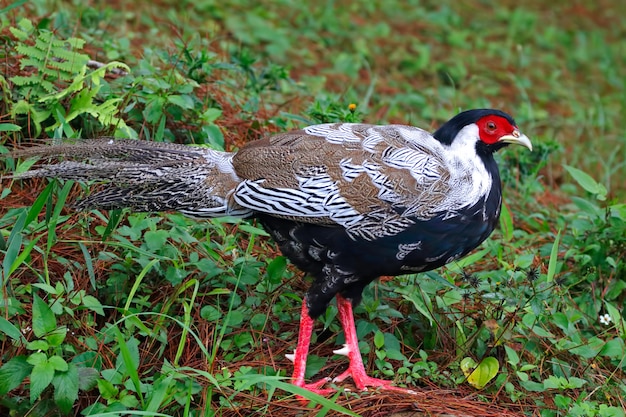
x,y
334,133
372,140
222,160
405,248
413,268
349,170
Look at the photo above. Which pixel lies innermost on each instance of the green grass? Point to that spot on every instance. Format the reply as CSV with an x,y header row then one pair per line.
x,y
117,313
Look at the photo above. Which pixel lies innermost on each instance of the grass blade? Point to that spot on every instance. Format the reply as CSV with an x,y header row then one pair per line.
x,y
137,283
554,254
89,265
131,366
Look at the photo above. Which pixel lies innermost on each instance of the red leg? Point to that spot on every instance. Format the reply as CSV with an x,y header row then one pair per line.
x,y
351,349
302,351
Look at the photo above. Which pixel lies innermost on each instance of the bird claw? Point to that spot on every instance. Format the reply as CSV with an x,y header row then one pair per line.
x,y
291,356
344,351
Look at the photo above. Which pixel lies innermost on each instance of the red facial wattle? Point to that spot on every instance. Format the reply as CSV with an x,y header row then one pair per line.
x,y
491,128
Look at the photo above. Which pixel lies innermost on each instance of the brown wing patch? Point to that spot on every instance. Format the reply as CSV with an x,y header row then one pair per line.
x,y
281,159
360,193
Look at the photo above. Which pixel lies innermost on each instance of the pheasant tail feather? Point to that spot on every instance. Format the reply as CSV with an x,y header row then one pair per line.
x,y
144,176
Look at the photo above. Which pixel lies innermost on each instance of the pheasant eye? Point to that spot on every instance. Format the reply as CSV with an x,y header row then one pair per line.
x,y
491,126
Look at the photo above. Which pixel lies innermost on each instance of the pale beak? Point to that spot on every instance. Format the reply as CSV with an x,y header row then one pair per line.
x,y
517,138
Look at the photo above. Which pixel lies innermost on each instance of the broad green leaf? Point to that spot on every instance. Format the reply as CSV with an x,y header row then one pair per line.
x,y
156,239
554,382
38,345
37,358
9,329
523,376
420,303
58,363
559,382
211,115
586,206
479,375
107,389
314,364
575,382
532,386
43,319
93,304
449,298
45,287
183,101
590,349
40,378
9,127
87,378
154,109
210,313
215,137
513,357
276,268
12,373
616,317
129,400
392,347
379,339
587,182
611,411
541,332
66,388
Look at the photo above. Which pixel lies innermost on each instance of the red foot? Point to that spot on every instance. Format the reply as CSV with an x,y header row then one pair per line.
x,y
350,349
316,387
363,381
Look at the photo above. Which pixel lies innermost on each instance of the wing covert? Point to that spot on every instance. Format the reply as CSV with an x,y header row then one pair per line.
x,y
375,181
